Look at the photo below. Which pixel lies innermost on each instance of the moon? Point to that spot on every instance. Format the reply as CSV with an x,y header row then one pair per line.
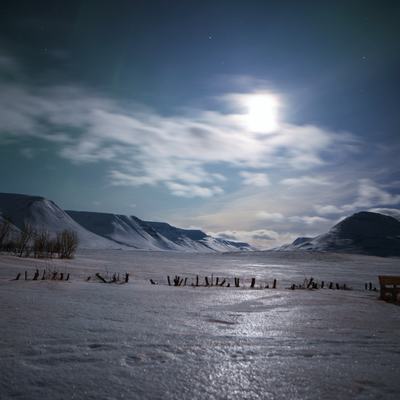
x,y
261,113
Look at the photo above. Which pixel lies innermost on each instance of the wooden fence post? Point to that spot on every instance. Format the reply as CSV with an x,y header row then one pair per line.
x,y
100,277
36,275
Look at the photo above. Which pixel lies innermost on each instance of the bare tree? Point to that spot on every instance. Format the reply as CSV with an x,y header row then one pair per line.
x,y
24,240
5,228
66,244
51,247
41,244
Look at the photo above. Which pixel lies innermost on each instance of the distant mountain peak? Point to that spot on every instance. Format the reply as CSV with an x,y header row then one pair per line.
x,y
364,232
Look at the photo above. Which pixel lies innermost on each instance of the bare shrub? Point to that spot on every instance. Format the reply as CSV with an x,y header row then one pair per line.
x,y
41,244
24,240
66,244
10,247
51,248
5,228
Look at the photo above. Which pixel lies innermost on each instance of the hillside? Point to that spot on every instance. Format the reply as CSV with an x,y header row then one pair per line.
x,y
105,230
197,239
125,230
147,235
44,214
362,233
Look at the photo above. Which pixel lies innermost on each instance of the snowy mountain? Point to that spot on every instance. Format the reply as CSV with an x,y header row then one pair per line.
x,y
362,233
197,239
391,212
125,230
146,235
43,214
105,230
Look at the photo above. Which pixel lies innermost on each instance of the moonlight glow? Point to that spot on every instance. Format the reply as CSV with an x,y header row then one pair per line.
x,y
261,113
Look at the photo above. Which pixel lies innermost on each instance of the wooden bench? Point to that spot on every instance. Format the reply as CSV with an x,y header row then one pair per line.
x,y
390,288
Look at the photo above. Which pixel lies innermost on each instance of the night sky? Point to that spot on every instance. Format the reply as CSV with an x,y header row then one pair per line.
x,y
254,120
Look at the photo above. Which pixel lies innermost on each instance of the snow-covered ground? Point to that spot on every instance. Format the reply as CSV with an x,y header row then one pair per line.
x,y
86,340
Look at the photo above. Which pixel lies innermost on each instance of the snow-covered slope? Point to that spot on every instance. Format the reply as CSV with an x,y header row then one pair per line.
x,y
362,233
123,229
219,244
13,231
43,214
108,231
196,239
147,235
391,212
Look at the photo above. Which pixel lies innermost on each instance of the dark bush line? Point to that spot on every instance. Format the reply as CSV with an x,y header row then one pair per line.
x,y
38,244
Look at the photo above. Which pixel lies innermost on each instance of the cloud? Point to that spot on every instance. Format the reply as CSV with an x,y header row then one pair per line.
x,y
305,181
369,194
260,238
143,147
327,210
183,190
227,235
273,217
259,234
255,179
279,218
309,220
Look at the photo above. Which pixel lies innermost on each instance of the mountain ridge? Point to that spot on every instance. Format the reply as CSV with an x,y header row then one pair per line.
x,y
107,230
364,232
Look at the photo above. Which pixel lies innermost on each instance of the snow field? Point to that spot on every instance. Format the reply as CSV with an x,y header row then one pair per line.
x,y
79,340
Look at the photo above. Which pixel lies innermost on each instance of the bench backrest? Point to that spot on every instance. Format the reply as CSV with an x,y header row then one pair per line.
x,y
389,280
